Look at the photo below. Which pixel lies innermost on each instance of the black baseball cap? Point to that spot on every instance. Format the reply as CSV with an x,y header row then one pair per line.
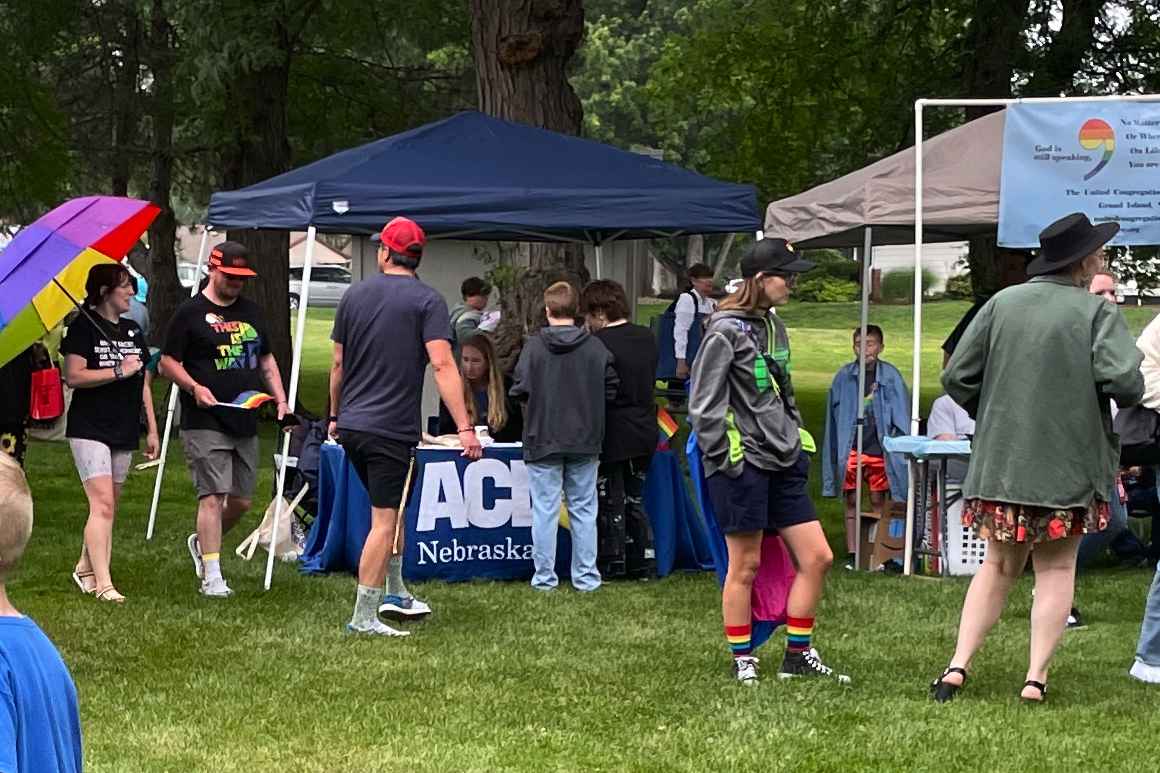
x,y
773,256
231,259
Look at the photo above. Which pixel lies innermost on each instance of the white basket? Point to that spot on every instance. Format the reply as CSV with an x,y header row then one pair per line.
x,y
965,552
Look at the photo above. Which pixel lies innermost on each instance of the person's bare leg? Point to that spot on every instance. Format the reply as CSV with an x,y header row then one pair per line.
x,y
851,531
376,552
99,528
1054,564
986,598
209,523
812,558
744,559
233,510
878,504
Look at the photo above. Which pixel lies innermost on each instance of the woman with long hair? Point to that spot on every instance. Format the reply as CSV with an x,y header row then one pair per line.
x,y
105,356
756,457
1037,369
485,390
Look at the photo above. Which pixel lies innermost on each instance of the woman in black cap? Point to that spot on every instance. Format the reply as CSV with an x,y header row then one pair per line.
x,y
1036,369
756,457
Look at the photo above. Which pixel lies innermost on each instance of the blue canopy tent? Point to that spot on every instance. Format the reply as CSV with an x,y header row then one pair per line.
x,y
472,176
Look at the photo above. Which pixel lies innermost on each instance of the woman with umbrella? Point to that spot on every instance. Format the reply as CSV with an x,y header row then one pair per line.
x,y
104,363
1036,369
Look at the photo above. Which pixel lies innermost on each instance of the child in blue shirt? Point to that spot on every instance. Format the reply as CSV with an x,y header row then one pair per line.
x,y
40,727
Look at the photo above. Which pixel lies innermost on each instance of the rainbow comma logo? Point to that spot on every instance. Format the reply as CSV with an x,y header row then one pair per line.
x,y
1093,135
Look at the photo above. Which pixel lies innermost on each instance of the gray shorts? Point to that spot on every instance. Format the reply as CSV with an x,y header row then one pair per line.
x,y
220,463
94,459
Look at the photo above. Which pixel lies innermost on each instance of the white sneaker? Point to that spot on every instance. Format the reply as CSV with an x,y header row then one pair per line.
x,y
1144,672
403,608
375,628
195,553
216,589
745,668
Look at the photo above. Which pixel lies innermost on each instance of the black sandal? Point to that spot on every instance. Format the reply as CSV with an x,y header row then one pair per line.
x,y
943,691
1038,686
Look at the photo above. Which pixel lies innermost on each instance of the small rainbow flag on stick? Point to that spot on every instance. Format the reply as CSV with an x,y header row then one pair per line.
x,y
249,400
668,425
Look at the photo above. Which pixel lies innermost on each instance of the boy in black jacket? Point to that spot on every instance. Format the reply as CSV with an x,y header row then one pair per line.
x,y
565,376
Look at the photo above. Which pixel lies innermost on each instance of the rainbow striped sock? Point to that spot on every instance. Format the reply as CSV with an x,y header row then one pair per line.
x,y
740,638
798,631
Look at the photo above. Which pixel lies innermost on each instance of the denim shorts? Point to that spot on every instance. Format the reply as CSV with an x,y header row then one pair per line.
x,y
760,500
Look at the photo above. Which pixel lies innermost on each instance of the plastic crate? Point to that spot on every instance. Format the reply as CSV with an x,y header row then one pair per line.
x,y
965,552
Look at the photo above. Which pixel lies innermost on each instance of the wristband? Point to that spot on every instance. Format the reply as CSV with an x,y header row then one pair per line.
x,y
461,431
118,373
332,418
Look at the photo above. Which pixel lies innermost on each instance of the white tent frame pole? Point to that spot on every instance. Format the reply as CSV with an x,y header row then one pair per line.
x,y
867,252
292,397
173,390
919,104
599,260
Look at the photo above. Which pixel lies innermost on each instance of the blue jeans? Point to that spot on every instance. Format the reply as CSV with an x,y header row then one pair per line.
x,y
575,478
1093,544
1148,650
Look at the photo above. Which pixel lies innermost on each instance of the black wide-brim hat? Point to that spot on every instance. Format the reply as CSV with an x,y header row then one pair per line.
x,y
1067,241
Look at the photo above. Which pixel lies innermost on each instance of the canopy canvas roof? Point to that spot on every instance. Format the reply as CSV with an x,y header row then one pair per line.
x,y
961,170
472,176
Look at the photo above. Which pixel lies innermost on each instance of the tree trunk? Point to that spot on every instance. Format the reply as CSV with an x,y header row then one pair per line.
x,y
257,120
993,36
1055,74
522,49
993,267
126,102
164,288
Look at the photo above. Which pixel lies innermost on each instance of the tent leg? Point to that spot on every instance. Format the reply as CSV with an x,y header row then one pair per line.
x,y
172,407
292,398
867,260
916,375
599,260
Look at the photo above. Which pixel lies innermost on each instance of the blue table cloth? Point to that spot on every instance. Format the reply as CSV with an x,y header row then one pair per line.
x,y
465,525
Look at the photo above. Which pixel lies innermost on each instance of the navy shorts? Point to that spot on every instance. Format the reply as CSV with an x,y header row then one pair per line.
x,y
382,464
759,500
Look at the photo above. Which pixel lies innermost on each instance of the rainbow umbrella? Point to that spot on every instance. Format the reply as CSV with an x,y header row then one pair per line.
x,y
45,267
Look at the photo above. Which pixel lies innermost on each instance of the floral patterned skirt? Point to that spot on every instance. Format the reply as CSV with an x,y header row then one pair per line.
x,y
1005,522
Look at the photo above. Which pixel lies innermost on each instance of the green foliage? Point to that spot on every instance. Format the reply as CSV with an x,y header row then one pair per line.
x,y
898,286
833,264
959,288
826,289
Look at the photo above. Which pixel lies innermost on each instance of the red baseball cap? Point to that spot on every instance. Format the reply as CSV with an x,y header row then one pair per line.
x,y
404,236
231,258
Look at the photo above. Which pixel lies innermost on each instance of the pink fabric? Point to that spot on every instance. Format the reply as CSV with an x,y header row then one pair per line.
x,y
774,578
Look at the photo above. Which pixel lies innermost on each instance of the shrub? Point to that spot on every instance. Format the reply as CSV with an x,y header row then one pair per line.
x,y
959,288
825,289
833,264
898,286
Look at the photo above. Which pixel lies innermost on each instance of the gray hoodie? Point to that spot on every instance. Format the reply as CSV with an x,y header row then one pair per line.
x,y
742,407
565,376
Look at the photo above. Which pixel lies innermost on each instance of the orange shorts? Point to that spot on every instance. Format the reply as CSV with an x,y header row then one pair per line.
x,y
873,472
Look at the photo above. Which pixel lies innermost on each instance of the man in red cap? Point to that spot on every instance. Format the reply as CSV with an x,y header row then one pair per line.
x,y
387,328
215,349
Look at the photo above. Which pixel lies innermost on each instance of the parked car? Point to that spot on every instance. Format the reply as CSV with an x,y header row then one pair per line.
x,y
327,285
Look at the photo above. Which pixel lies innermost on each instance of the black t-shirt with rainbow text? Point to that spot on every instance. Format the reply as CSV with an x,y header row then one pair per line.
x,y
221,348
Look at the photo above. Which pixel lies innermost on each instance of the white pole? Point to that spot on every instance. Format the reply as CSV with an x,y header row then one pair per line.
x,y
867,253
201,253
292,398
599,257
916,377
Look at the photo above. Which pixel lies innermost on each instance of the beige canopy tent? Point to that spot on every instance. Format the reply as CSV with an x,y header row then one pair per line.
x,y
960,195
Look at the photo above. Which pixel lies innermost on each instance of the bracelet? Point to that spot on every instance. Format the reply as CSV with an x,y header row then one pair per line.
x,y
332,418
461,431
118,373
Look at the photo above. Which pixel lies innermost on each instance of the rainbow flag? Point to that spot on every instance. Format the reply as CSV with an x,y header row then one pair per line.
x,y
249,400
668,425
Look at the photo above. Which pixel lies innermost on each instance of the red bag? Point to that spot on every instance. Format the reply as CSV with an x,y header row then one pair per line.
x,y
47,395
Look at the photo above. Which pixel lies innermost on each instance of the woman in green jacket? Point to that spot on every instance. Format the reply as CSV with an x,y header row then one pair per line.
x,y
1037,369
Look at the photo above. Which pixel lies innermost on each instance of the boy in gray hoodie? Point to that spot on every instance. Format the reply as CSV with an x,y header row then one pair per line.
x,y
565,377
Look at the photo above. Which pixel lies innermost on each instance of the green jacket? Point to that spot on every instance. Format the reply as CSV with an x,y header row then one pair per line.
x,y
1036,370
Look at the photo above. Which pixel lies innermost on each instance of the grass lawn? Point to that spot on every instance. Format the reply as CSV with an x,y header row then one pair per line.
x,y
634,677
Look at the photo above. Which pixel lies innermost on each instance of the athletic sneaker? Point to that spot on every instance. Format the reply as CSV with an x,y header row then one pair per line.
x,y
216,589
1144,672
745,668
195,553
403,608
809,663
1075,620
374,628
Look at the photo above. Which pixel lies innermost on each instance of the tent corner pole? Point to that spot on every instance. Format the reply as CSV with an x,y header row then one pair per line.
x,y
292,397
171,408
867,260
916,374
599,260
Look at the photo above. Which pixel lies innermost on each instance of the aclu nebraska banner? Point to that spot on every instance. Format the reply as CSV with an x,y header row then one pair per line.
x,y
469,519
1100,158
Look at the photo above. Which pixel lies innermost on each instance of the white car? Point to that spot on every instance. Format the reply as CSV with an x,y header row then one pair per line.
x,y
186,273
327,285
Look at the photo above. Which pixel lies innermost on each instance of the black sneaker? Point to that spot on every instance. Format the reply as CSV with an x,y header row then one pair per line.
x,y
808,663
1075,620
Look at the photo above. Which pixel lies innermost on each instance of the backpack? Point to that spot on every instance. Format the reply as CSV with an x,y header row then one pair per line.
x,y
663,326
